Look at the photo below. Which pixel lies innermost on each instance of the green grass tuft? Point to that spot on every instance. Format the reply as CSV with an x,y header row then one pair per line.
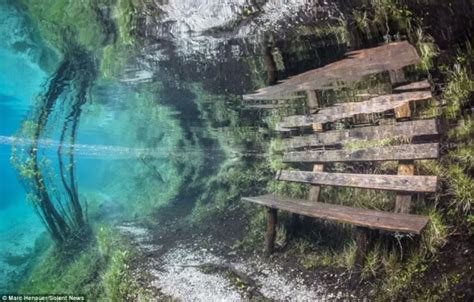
x,y
100,271
457,90
436,233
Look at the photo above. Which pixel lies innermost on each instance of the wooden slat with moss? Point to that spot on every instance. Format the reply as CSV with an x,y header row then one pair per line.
x,y
400,152
400,183
397,130
394,222
344,110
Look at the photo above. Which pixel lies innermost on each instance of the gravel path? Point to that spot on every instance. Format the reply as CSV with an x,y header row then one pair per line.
x,y
178,274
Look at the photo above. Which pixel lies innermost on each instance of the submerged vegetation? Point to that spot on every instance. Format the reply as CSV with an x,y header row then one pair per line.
x,y
60,211
209,149
99,269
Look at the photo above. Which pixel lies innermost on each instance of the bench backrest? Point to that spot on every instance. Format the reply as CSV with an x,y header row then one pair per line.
x,y
302,149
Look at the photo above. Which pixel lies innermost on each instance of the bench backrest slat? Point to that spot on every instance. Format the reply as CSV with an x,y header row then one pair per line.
x,y
266,106
399,183
400,152
375,105
401,129
355,66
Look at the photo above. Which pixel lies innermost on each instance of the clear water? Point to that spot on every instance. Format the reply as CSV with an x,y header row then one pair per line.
x,y
126,157
126,146
20,80
145,139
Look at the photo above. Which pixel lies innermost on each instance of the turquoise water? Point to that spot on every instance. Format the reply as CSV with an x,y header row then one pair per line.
x,y
124,168
118,135
20,81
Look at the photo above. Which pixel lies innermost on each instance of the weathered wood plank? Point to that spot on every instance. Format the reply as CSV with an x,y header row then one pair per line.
x,y
362,242
402,111
400,152
317,128
399,183
266,106
284,95
312,100
403,201
283,130
394,222
421,85
397,76
355,66
314,190
403,129
271,230
344,110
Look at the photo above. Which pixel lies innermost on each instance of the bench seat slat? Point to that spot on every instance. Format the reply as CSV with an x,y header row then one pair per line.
x,y
400,183
400,152
394,222
400,129
344,110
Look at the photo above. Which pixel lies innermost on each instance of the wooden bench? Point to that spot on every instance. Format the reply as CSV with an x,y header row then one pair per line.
x,y
360,217
322,147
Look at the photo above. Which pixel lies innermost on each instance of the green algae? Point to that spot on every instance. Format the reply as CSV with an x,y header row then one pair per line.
x,y
108,37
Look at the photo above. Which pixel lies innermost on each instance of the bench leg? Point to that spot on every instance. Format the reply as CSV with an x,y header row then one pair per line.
x,y
362,241
271,231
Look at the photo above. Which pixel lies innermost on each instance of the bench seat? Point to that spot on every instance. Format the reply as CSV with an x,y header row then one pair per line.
x,y
394,222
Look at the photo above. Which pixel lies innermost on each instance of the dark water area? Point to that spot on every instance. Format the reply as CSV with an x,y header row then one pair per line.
x,y
130,113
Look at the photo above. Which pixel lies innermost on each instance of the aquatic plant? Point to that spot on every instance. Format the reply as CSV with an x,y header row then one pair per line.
x,y
457,90
117,281
100,270
63,216
105,28
385,18
426,48
55,273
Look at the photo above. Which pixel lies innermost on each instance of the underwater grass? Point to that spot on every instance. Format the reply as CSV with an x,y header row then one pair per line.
x,y
311,256
457,90
100,271
58,273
